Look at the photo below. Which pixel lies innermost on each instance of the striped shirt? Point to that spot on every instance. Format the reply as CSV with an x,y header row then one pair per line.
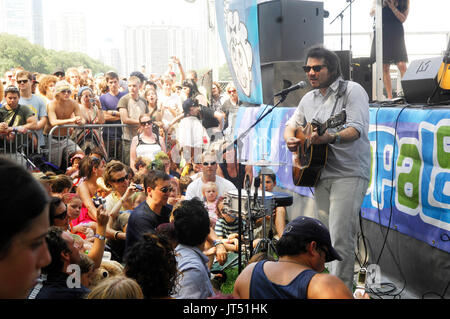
x,y
224,229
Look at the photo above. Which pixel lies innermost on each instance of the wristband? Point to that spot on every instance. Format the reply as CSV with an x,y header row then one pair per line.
x,y
100,237
115,235
217,242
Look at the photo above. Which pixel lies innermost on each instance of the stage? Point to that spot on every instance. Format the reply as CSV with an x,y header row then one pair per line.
x,y
405,215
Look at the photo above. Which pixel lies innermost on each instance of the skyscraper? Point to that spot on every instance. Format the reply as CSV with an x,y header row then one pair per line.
x,y
22,18
153,45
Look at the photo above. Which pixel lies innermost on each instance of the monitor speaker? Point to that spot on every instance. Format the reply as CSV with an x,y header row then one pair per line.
x,y
420,82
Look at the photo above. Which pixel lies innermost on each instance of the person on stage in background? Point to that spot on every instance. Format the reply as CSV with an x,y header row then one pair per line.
x,y
344,179
394,15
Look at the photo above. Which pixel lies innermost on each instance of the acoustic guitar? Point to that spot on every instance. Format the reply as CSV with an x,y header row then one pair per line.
x,y
309,159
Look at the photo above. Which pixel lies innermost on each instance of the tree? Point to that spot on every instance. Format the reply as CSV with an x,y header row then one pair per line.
x,y
16,51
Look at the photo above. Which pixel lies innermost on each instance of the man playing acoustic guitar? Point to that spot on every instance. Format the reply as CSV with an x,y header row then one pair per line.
x,y
341,183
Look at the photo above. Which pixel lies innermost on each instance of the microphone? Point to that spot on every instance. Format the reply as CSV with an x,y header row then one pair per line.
x,y
256,184
299,85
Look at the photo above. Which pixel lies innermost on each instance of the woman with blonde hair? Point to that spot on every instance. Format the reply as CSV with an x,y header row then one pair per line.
x,y
117,287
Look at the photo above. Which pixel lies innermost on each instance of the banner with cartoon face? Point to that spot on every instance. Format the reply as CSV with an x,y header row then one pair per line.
x,y
237,22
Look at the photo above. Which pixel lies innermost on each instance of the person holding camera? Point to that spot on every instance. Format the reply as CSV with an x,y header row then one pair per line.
x,y
119,203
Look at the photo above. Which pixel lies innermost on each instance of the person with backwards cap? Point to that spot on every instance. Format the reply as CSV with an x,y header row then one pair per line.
x,y
303,250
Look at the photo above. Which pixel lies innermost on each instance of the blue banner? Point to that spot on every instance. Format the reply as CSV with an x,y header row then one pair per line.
x,y
409,189
237,22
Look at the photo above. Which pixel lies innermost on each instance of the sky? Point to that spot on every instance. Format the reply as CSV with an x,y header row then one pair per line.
x,y
105,18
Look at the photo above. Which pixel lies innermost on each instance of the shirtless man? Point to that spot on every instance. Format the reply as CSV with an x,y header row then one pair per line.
x,y
62,111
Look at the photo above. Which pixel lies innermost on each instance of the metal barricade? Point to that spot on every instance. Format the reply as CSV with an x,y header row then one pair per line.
x,y
20,148
79,137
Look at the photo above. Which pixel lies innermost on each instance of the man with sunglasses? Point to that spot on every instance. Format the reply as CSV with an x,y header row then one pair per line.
x,y
153,211
344,179
33,101
63,110
209,174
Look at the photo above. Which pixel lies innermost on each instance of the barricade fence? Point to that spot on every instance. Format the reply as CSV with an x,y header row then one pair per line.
x,y
20,147
64,140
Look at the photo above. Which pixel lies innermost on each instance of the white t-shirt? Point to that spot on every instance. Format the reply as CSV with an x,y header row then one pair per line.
x,y
173,102
195,188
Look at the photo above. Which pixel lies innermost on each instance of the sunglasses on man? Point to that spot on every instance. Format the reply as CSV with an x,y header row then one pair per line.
x,y
316,68
166,189
209,164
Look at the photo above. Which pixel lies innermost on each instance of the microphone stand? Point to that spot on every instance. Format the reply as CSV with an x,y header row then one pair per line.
x,y
341,15
235,146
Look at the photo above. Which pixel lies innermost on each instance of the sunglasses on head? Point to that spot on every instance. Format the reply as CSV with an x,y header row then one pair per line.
x,y
146,123
166,189
316,68
209,164
61,216
22,81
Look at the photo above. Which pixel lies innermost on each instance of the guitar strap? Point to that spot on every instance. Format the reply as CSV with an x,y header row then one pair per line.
x,y
341,91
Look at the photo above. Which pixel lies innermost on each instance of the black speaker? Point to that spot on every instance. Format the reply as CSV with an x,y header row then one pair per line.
x,y
287,28
362,74
420,82
277,76
345,61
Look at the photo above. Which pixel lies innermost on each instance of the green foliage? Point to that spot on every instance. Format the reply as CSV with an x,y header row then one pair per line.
x,y
16,51
224,73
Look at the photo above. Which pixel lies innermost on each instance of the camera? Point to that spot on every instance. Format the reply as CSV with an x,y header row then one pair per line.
x,y
139,187
92,101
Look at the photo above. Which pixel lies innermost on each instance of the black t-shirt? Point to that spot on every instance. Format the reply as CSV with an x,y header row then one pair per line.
x,y
55,286
143,220
207,117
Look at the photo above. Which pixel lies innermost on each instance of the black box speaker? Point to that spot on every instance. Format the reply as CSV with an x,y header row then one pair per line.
x,y
362,74
287,28
420,81
345,60
277,76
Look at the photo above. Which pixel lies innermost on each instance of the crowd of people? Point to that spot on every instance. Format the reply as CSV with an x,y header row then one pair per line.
x,y
143,196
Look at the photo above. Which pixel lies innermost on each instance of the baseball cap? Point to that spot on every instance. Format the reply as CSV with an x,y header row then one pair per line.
x,y
188,103
61,86
59,71
312,229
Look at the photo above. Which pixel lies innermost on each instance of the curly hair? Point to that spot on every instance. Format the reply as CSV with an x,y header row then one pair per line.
x,y
45,82
152,263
